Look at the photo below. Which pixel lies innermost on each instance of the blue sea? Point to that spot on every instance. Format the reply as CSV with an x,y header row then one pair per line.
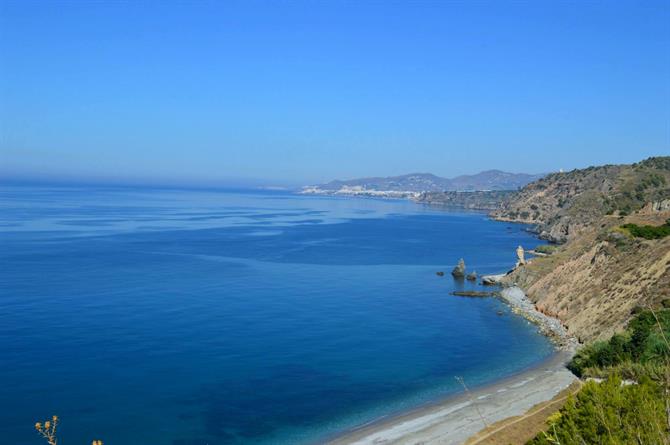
x,y
193,317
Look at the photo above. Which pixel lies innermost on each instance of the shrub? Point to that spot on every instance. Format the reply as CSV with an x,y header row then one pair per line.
x,y
629,370
642,342
613,413
546,248
648,232
610,413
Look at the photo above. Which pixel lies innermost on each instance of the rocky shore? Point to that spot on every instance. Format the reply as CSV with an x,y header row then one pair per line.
x,y
515,297
460,418
548,326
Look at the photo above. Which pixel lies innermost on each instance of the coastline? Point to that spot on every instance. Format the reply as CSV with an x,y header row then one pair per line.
x,y
460,417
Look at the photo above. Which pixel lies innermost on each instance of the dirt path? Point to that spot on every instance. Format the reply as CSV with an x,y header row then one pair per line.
x,y
520,429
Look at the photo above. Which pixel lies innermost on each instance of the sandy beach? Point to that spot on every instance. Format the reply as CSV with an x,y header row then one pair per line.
x,y
458,418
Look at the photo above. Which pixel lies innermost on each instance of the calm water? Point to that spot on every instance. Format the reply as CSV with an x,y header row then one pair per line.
x,y
199,317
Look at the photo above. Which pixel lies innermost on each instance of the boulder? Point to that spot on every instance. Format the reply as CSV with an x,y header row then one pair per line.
x,y
472,276
492,280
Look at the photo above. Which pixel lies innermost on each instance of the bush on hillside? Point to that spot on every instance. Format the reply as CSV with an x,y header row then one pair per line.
x,y
615,412
630,370
610,413
546,248
642,342
648,232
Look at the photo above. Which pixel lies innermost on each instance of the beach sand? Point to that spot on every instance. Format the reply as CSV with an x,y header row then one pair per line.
x,y
456,419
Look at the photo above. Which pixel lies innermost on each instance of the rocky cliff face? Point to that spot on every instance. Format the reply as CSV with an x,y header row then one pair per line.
x,y
562,205
489,200
601,273
594,282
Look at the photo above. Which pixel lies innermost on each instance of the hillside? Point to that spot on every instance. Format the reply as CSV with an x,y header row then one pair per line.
x,y
412,184
603,271
476,200
562,205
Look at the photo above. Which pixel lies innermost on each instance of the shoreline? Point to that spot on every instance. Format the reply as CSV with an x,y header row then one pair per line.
x,y
460,417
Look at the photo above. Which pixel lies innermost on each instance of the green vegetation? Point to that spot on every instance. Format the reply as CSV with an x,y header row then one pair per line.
x,y
546,248
646,181
610,413
648,232
618,412
643,342
658,162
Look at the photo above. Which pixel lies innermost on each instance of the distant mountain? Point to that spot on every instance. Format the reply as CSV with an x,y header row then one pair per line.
x,y
412,185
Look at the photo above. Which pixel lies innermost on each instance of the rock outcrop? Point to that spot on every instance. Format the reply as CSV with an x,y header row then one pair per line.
x,y
520,257
475,200
492,280
459,270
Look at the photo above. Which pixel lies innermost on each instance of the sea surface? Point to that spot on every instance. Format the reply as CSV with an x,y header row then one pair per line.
x,y
184,317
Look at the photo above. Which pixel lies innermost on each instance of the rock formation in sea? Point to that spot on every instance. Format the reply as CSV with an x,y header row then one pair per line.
x,y
521,260
459,270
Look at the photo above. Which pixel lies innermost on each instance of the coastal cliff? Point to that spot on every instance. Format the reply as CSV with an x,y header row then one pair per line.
x,y
563,205
595,283
476,200
602,273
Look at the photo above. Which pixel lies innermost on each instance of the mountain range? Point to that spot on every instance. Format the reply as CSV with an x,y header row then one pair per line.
x,y
415,183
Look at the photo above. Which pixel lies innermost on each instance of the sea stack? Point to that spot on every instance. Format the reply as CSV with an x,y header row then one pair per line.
x,y
521,260
459,270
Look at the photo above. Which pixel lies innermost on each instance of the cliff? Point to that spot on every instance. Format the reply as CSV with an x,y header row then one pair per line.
x,y
602,273
562,205
482,200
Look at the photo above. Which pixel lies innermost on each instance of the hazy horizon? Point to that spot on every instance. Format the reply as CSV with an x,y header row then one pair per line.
x,y
221,183
302,93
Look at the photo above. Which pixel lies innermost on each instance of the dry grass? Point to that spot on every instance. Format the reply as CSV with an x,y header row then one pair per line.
x,y
48,430
593,282
520,429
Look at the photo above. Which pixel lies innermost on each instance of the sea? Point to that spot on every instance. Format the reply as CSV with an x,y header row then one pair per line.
x,y
203,317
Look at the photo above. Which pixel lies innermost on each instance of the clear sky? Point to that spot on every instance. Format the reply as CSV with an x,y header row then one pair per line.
x,y
291,91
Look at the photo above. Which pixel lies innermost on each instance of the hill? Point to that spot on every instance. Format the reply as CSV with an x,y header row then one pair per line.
x,y
475,200
615,256
413,184
561,205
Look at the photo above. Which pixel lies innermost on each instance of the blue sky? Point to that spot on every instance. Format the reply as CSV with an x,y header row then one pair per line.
x,y
292,92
